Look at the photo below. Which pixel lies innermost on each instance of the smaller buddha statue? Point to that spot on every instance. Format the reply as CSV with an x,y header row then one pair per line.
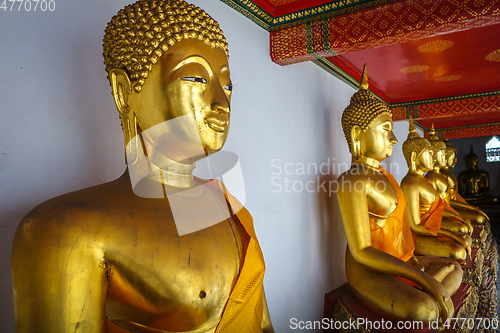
x,y
425,207
381,267
472,213
454,220
474,183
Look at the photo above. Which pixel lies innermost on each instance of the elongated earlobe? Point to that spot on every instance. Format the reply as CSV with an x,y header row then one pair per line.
x,y
413,162
120,89
356,144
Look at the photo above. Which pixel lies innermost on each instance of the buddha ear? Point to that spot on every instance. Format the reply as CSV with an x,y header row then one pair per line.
x,y
413,161
356,144
121,89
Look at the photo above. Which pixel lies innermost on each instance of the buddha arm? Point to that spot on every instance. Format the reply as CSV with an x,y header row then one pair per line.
x,y
59,284
412,196
354,212
457,217
460,205
460,240
267,327
484,184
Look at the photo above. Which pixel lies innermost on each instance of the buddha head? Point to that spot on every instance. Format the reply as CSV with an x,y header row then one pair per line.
x,y
167,62
367,125
438,148
451,154
472,160
417,151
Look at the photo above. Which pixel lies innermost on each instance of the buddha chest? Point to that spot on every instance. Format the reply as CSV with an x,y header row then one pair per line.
x,y
167,282
382,199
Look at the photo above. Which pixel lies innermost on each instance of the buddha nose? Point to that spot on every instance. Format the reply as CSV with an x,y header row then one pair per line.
x,y
220,102
392,138
221,108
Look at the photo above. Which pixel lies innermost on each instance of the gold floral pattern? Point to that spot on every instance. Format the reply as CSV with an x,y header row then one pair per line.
x,y
448,78
414,69
494,56
435,46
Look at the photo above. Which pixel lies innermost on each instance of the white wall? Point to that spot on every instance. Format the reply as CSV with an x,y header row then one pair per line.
x,y
61,133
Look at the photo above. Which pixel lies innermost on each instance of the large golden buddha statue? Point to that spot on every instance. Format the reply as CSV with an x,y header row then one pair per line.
x,y
472,213
380,265
160,251
474,183
426,209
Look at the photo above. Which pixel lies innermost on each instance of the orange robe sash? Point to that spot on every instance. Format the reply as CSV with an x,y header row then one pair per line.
x,y
395,236
244,309
432,218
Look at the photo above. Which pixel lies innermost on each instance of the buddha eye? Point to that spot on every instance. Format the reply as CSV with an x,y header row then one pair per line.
x,y
194,79
229,87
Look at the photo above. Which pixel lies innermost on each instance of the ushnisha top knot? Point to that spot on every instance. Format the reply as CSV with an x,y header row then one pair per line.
x,y
362,110
138,35
436,144
414,143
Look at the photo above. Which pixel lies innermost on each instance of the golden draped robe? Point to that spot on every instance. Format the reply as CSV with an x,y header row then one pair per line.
x,y
395,236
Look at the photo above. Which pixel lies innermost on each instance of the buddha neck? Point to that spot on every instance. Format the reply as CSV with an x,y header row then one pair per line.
x,y
368,162
173,173
419,171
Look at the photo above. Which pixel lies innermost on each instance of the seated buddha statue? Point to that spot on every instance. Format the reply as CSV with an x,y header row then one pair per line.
x,y
474,183
470,212
425,207
112,258
453,221
381,268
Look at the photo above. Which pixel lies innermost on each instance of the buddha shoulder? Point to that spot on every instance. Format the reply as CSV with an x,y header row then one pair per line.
x,y
413,179
359,173
91,213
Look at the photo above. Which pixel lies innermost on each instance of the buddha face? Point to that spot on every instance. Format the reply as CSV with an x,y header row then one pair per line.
x,y
191,80
451,159
440,158
472,162
426,159
378,139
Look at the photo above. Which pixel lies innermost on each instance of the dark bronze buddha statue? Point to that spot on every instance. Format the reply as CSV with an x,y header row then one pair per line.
x,y
473,183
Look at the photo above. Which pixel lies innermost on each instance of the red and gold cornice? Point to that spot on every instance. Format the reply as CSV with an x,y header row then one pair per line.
x,y
470,131
454,115
389,24
443,107
277,15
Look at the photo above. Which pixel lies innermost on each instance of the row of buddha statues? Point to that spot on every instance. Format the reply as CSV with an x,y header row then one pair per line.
x,y
406,243
111,258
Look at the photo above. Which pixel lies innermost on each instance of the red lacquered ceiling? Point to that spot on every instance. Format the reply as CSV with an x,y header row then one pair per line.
x,y
461,63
